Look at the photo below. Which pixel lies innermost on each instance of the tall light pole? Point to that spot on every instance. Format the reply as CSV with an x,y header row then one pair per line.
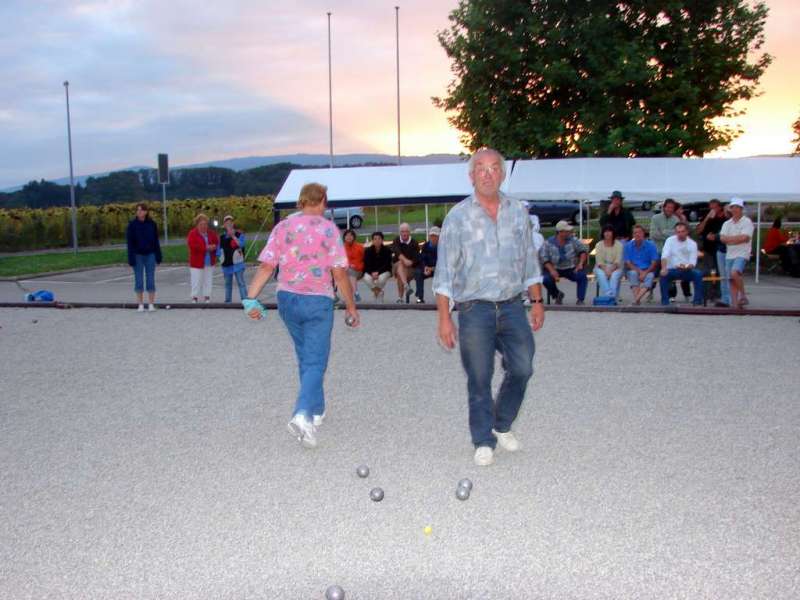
x,y
397,46
330,93
71,178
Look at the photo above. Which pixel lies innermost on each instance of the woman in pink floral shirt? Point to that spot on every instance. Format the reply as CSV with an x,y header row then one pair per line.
x,y
308,249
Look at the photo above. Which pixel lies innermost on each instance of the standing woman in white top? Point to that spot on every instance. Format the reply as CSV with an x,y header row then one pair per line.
x,y
736,234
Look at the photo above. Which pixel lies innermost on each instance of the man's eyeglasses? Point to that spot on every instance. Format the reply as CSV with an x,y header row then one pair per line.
x,y
490,170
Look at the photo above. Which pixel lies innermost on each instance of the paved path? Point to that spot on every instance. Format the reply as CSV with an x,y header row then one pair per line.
x,y
145,456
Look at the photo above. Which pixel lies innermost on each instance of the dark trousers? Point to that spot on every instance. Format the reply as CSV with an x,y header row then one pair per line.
x,y
419,280
579,277
691,276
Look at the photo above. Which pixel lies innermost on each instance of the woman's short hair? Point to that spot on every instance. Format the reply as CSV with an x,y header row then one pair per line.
x,y
608,228
145,208
200,217
346,231
777,223
378,233
312,194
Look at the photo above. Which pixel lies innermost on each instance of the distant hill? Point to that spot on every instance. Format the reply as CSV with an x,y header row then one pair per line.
x,y
323,160
250,162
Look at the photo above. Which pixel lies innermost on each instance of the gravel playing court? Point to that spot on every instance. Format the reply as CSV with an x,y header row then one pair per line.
x,y
146,456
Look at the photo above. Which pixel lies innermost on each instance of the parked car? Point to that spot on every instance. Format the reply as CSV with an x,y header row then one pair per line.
x,y
553,211
339,216
637,205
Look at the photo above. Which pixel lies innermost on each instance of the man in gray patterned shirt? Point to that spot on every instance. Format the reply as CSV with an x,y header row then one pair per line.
x,y
486,263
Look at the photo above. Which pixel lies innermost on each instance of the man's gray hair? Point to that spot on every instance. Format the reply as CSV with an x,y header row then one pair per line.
x,y
486,150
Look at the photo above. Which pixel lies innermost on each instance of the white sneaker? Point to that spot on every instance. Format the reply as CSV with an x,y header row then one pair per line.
x,y
484,456
318,419
141,308
507,441
151,307
303,430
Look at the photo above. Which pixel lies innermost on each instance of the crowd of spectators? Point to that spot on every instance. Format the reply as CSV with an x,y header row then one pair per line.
x,y
663,253
708,268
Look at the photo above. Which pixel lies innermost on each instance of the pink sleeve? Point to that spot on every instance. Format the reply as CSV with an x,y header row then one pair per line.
x,y
339,258
272,251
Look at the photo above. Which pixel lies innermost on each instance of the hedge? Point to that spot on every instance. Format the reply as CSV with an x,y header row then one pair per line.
x,y
32,229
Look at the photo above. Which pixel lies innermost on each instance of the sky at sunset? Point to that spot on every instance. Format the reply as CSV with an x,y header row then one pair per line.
x,y
205,81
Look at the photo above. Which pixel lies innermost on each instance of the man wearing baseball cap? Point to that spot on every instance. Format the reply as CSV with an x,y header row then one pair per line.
x,y
564,256
736,234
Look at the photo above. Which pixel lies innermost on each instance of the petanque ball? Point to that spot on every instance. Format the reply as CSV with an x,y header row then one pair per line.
x,y
376,494
334,592
349,320
168,307
465,483
462,493
35,321
362,471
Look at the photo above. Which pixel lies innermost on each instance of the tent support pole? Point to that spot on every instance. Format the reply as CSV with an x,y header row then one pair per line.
x,y
758,243
426,222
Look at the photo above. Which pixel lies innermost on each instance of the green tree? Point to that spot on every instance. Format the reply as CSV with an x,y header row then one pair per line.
x,y
120,186
796,140
601,78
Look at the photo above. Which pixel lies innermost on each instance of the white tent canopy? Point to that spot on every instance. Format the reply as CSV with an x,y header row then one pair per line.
x,y
767,179
412,184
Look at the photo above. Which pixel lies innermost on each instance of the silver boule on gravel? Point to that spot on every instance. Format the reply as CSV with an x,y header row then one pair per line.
x,y
465,483
349,320
376,494
334,592
362,471
462,493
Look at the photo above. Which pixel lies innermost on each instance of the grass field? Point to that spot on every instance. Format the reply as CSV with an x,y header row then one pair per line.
x,y
16,266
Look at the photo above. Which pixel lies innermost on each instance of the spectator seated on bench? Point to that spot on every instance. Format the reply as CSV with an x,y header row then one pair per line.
x,y
377,265
774,248
679,262
564,256
355,260
641,263
608,265
427,263
405,258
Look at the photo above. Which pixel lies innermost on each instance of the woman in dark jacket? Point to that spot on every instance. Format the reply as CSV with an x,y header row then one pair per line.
x,y
377,265
144,253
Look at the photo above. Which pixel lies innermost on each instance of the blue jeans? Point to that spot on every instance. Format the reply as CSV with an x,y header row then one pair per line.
x,y
309,320
145,266
229,285
692,275
725,285
483,329
577,276
609,286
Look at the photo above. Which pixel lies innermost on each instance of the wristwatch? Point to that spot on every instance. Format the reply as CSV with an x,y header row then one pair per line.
x,y
536,301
